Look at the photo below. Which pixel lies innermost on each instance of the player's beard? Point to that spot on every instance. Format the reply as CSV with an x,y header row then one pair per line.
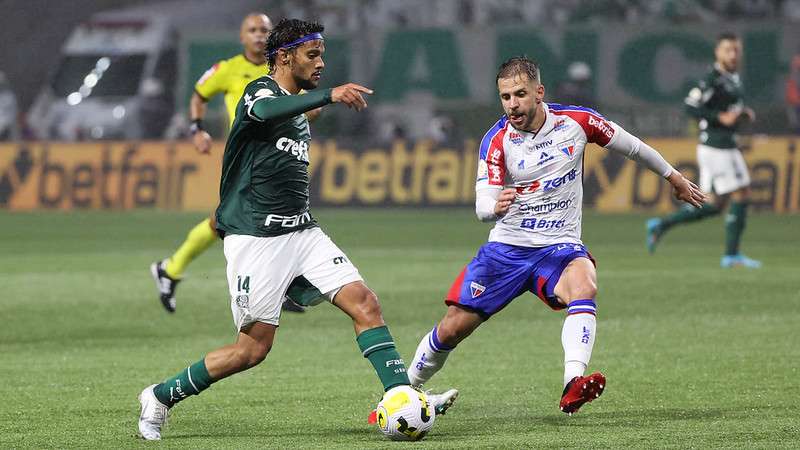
x,y
306,84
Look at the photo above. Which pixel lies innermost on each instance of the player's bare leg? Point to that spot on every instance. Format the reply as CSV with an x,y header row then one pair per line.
x,y
735,222
576,289
251,347
433,349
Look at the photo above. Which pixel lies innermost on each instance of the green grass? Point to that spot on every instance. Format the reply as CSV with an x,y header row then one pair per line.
x,y
696,356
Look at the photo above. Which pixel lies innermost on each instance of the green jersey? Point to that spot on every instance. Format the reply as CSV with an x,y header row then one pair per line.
x,y
719,91
264,186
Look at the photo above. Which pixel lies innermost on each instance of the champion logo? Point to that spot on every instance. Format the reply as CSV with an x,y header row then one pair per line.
x,y
476,289
516,138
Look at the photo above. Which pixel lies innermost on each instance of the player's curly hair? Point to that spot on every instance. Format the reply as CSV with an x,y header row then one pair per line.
x,y
519,65
287,31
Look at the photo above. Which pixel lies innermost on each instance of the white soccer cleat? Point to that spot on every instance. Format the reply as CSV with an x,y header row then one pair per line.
x,y
153,415
442,402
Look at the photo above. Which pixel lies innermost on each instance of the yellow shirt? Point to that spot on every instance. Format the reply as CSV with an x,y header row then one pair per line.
x,y
231,77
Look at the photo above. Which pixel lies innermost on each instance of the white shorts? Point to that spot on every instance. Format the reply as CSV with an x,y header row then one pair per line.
x,y
721,170
305,265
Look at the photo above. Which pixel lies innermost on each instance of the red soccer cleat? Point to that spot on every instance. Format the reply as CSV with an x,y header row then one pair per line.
x,y
373,417
581,390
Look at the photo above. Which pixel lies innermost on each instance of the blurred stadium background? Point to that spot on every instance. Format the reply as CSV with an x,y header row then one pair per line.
x,y
98,179
433,75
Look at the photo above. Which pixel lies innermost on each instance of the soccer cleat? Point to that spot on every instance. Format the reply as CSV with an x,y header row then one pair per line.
x,y
153,415
739,260
581,390
165,285
442,402
291,306
653,234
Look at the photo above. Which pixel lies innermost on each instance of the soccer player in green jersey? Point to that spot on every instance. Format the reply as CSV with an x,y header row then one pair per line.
x,y
716,102
228,77
272,243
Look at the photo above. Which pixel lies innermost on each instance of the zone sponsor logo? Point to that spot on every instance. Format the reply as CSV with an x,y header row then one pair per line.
x,y
297,149
601,125
542,145
555,183
516,138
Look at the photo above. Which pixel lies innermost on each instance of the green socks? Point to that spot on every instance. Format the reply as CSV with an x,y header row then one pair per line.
x,y
734,226
377,346
688,214
190,381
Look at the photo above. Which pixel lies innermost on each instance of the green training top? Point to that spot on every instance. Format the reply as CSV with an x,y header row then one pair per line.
x,y
264,186
717,92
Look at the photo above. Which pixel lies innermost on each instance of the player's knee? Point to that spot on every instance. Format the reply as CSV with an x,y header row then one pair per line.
x,y
368,307
586,289
251,355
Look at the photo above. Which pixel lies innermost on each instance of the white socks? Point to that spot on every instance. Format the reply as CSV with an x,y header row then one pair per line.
x,y
429,358
577,337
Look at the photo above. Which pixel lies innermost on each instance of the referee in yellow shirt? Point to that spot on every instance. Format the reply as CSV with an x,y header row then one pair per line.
x,y
230,77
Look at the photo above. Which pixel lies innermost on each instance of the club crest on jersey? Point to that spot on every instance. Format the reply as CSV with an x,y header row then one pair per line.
x,y
568,148
516,138
476,289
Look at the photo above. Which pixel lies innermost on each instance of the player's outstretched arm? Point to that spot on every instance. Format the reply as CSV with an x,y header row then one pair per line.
x,y
351,94
633,148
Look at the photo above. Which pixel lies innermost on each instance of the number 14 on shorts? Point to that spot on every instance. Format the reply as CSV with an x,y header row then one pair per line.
x,y
243,283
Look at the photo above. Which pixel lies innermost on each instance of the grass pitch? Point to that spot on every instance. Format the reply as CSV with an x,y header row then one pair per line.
x,y
696,356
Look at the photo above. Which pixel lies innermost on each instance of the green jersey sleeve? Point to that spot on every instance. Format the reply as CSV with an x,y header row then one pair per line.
x,y
264,105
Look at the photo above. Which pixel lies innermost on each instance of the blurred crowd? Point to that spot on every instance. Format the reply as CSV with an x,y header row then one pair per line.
x,y
419,116
359,14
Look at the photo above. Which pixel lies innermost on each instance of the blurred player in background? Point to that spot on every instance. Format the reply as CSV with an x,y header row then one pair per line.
x,y
229,77
272,243
716,102
529,182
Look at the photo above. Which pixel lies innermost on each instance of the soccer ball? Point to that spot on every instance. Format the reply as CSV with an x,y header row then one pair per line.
x,y
405,414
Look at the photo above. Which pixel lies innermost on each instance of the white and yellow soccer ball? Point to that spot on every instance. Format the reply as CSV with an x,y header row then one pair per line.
x,y
405,414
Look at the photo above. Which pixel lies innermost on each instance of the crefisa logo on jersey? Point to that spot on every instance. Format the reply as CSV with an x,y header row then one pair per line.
x,y
476,289
516,138
567,148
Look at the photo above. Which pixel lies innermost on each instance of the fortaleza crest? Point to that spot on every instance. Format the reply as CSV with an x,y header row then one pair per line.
x,y
567,148
476,289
